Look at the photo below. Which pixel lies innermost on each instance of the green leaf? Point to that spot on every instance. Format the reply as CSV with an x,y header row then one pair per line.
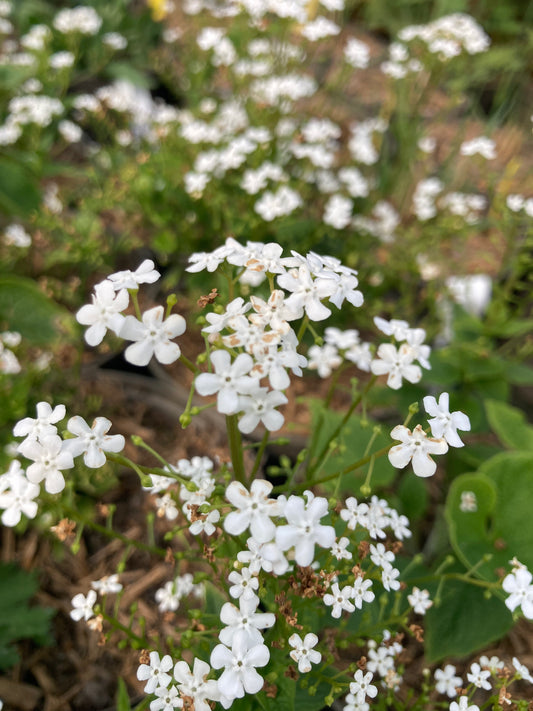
x,y
19,192
413,494
464,622
24,308
518,373
17,619
510,425
469,531
512,527
123,699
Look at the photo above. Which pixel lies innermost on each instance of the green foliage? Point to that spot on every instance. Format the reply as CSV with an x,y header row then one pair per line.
x,y
19,192
24,308
509,423
464,622
18,620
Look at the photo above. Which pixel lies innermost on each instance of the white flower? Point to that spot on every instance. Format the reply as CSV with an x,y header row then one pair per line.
x,y
83,606
107,585
481,145
17,498
144,274
259,406
244,620
520,590
339,599
82,19
522,671
338,549
494,663
304,530
303,651
255,510
166,507
167,598
397,363
205,523
445,423
16,235
447,681
152,337
168,699
218,322
361,592
356,53
196,684
463,705
93,441
380,556
229,380
307,293
468,501
417,447
354,514
239,663
388,578
479,677
49,457
419,600
104,312
244,584
43,425
155,673
324,359
361,686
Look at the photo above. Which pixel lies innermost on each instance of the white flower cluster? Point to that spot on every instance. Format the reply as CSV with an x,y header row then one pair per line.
x,y
262,328
449,36
170,595
51,455
151,335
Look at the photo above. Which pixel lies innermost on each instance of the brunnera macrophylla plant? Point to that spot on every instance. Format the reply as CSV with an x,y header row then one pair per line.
x,y
284,578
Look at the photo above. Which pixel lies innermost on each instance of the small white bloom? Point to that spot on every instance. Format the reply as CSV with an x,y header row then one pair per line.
x,y
144,274
447,681
361,686
195,684
104,312
445,423
339,600
417,447
49,457
244,584
478,677
107,585
155,673
83,606
419,601
152,337
239,664
92,441
255,510
304,530
303,651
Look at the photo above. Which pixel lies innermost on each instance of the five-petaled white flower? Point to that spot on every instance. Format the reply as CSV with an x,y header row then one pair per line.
x,y
244,620
419,600
447,681
397,363
152,337
303,651
361,686
49,458
255,510
43,424
518,585
479,677
304,529
155,673
144,274
415,446
195,684
445,423
259,406
83,606
229,380
104,312
339,600
17,499
239,663
93,441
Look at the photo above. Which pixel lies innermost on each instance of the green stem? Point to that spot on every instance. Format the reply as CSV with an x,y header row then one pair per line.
x,y
189,364
343,422
235,448
259,454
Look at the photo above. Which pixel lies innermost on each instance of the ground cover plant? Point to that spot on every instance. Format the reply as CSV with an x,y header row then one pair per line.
x,y
244,194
